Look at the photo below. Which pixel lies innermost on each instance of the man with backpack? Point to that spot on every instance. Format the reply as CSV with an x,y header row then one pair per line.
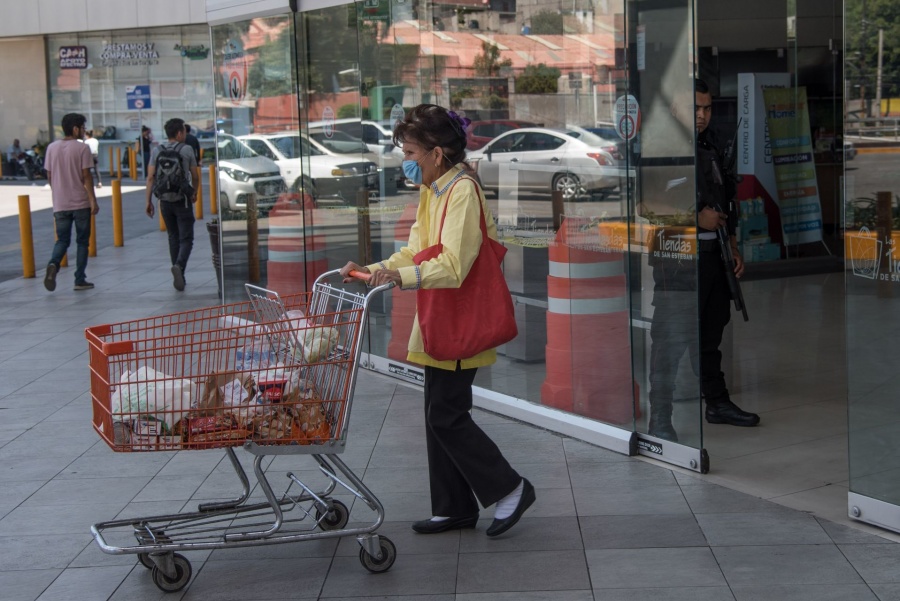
x,y
171,171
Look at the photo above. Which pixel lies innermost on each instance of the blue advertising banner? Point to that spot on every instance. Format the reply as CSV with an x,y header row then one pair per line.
x,y
787,117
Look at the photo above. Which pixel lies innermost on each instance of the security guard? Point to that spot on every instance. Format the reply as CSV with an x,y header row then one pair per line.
x,y
674,320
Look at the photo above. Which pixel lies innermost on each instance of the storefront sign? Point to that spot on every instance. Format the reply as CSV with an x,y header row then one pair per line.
x,y
787,118
73,57
194,53
129,54
234,66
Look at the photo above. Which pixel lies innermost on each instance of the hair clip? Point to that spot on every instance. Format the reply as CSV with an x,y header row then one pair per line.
x,y
459,123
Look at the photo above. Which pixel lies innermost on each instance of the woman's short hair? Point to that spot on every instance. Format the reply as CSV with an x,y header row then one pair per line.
x,y
430,126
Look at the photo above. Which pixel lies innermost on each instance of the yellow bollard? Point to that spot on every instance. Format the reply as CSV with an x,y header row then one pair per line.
x,y
92,242
118,233
25,235
213,190
132,164
162,222
198,206
118,163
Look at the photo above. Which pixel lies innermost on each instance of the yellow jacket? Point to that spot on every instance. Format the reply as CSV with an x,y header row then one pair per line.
x,y
461,239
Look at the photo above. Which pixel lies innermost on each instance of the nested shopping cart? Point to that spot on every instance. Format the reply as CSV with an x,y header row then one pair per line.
x,y
274,375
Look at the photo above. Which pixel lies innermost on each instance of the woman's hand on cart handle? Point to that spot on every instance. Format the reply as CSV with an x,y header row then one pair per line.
x,y
351,271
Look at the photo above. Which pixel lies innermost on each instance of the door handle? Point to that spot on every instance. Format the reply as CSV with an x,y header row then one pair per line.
x,y
513,160
554,160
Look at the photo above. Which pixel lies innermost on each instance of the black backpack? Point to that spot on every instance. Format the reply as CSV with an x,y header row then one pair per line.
x,y
170,182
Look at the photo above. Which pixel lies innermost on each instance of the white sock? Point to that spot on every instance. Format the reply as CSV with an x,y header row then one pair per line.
x,y
507,505
439,518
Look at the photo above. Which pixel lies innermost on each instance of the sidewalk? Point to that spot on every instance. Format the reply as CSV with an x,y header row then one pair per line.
x,y
605,526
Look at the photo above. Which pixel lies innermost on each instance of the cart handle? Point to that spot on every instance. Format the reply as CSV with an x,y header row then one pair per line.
x,y
361,275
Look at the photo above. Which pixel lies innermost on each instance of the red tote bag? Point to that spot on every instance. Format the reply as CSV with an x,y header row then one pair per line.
x,y
458,323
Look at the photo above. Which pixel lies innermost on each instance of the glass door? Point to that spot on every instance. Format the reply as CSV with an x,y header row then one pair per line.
x,y
662,234
871,224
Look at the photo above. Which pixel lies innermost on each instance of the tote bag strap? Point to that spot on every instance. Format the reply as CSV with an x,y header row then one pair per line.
x,y
480,206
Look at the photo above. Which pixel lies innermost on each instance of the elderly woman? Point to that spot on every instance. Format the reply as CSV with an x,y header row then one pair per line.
x,y
465,466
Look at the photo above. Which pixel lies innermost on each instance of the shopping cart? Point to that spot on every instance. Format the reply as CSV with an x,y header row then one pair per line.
x,y
274,375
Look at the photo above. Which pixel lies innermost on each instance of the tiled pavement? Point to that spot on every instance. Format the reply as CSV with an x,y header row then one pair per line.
x,y
605,526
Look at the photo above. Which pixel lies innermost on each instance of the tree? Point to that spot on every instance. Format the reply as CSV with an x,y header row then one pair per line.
x,y
488,63
547,22
862,20
538,79
272,71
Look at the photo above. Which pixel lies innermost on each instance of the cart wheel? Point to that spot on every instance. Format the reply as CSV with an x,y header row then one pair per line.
x,y
182,575
144,559
388,555
335,519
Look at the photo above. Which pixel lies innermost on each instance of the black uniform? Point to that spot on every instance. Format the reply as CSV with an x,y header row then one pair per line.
x,y
682,287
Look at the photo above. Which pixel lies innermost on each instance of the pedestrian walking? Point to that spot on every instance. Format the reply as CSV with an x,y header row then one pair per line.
x,y
68,164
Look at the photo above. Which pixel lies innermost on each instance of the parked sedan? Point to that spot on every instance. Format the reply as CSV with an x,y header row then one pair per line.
x,y
480,133
243,172
339,143
304,165
540,159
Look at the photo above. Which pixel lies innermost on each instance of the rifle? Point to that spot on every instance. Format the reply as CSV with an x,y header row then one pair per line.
x,y
727,256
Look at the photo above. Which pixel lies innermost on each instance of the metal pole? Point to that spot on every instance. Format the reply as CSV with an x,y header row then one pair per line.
x,y
252,239
878,74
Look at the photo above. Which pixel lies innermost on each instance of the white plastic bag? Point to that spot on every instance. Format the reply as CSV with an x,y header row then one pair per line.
x,y
147,392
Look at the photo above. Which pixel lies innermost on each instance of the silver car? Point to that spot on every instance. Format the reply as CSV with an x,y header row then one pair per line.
x,y
570,160
243,172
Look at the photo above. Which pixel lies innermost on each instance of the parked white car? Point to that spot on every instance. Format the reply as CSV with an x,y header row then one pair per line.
x,y
243,172
541,159
340,143
304,165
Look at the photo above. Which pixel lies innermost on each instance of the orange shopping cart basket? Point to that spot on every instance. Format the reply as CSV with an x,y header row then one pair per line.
x,y
274,375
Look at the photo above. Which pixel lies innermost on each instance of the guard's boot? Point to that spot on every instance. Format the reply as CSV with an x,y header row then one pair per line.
x,y
660,424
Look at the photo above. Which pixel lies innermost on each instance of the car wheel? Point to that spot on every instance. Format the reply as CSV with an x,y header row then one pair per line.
x,y
568,184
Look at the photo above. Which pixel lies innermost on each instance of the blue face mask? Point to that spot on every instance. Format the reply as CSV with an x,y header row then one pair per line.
x,y
412,171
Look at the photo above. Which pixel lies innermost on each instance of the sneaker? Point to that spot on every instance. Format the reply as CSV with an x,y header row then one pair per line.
x,y
50,277
177,278
83,285
99,184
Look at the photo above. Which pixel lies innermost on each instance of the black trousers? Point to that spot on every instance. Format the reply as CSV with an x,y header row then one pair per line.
x,y
463,462
179,219
693,321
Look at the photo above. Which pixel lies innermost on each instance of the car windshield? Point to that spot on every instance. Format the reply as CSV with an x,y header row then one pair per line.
x,y
294,147
340,142
229,147
586,136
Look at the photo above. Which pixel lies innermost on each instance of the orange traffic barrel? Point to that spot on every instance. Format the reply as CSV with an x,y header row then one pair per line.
x,y
588,352
403,302
296,249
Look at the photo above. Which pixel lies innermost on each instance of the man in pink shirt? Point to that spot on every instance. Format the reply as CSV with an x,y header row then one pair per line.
x,y
68,163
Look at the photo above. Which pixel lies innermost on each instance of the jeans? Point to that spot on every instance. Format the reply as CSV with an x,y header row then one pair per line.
x,y
179,220
82,220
